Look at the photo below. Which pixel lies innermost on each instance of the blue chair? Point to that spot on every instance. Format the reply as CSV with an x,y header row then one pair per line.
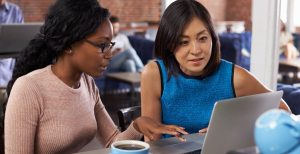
x,y
297,40
291,95
232,45
144,49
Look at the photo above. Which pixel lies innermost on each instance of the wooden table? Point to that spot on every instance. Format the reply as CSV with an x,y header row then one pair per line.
x,y
131,78
286,66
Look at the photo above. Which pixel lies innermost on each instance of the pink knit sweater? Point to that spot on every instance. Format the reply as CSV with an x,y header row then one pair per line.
x,y
44,115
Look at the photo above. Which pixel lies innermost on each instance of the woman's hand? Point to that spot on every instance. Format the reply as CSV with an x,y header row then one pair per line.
x,y
203,131
149,127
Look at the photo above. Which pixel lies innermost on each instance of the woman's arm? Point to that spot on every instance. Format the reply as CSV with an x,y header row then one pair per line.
x,y
246,84
21,118
151,92
108,131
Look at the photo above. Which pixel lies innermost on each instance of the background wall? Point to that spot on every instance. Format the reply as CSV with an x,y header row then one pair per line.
x,y
127,10
33,10
134,10
146,10
239,10
216,8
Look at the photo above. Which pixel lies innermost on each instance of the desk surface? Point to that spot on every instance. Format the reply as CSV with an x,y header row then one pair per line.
x,y
174,146
292,63
287,66
169,145
129,77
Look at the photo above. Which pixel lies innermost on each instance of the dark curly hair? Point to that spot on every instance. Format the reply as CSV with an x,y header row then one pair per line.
x,y
67,22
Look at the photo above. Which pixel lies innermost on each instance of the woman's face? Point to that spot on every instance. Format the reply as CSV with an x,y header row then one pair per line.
x,y
194,50
87,54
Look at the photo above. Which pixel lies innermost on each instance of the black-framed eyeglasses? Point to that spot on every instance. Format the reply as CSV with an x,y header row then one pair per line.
x,y
105,47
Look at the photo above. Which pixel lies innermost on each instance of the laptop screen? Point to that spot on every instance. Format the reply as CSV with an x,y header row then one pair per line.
x,y
14,37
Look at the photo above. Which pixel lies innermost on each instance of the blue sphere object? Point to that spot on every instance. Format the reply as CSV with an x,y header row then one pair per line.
x,y
277,131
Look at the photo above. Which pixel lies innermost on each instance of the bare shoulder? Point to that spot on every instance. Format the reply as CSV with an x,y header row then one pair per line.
x,y
241,74
151,70
245,83
150,82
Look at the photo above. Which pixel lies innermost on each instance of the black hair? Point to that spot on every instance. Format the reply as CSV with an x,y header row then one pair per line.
x,y
114,19
67,22
171,26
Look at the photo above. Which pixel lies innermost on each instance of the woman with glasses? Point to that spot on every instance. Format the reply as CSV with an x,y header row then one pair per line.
x,y
54,105
189,76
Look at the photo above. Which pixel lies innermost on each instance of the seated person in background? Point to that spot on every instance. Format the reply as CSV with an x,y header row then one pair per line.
x,y
287,47
9,13
54,105
125,58
183,84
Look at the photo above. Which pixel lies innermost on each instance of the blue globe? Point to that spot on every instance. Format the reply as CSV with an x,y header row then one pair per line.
x,y
277,131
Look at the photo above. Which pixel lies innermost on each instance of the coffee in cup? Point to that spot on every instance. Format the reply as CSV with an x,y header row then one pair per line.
x,y
130,147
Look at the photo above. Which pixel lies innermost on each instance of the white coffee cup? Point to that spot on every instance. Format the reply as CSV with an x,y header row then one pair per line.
x,y
130,147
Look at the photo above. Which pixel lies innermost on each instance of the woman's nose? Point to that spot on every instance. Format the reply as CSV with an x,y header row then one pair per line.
x,y
195,47
108,55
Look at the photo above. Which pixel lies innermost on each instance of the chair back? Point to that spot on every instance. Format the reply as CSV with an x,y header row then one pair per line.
x,y
127,115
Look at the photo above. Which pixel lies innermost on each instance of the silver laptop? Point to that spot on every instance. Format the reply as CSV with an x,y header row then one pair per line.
x,y
14,37
232,122
231,127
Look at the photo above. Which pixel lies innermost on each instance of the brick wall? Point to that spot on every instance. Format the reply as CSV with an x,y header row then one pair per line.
x,y
230,10
33,10
127,10
134,10
216,8
146,10
239,10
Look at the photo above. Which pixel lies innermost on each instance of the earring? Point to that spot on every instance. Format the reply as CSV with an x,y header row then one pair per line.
x,y
69,51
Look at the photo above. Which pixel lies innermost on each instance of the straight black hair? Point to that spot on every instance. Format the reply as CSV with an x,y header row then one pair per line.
x,y
171,27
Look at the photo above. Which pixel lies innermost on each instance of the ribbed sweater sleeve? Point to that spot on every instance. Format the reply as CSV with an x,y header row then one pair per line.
x,y
44,115
21,118
107,130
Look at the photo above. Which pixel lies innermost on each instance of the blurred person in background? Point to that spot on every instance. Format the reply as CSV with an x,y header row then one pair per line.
x,y
125,58
9,13
286,40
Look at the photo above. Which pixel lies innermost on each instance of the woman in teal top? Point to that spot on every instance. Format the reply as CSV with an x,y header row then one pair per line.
x,y
182,85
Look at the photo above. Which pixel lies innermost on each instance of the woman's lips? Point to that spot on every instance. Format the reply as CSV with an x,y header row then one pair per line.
x,y
197,61
102,68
